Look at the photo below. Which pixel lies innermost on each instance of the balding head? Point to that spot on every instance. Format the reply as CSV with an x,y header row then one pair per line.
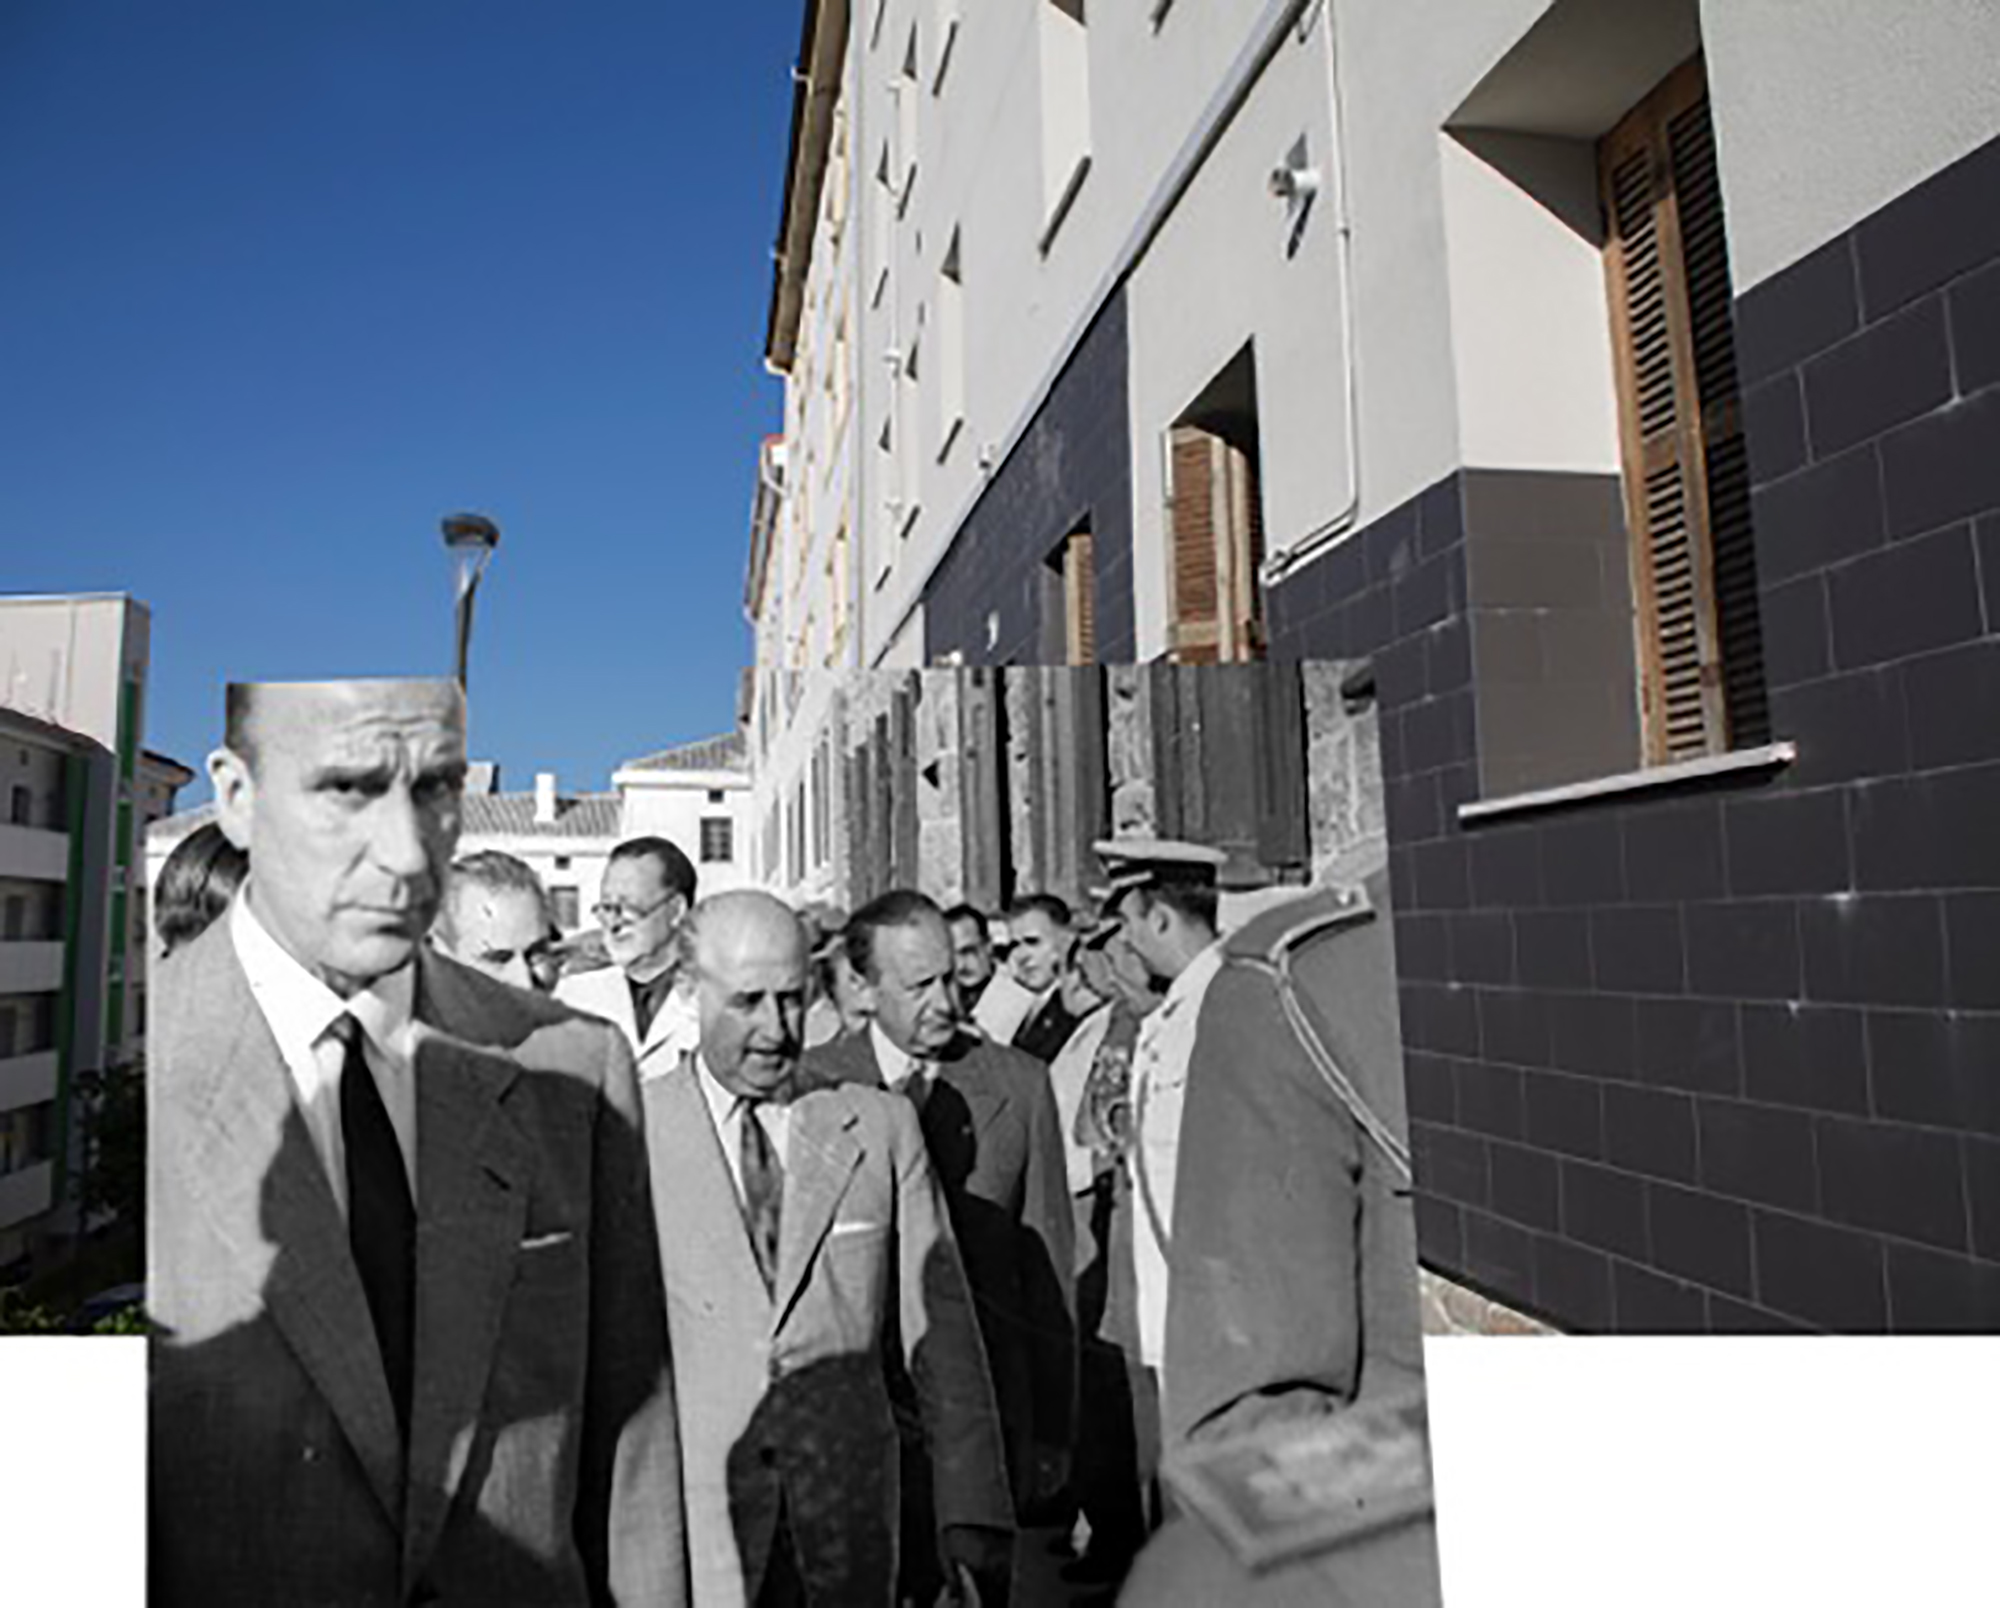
x,y
749,955
349,812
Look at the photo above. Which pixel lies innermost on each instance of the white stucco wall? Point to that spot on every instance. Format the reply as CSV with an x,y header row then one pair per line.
x,y
1479,330
1825,110
673,804
1219,276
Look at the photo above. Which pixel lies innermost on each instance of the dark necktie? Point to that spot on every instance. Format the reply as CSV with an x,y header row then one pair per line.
x,y
647,998
763,1189
381,1218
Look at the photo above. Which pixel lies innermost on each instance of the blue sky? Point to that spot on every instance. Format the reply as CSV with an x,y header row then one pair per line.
x,y
282,284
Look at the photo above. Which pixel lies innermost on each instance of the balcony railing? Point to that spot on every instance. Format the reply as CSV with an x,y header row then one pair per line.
x,y
26,1193
31,966
28,851
27,1080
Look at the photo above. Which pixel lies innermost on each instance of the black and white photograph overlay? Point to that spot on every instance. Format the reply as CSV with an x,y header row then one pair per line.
x,y
942,1140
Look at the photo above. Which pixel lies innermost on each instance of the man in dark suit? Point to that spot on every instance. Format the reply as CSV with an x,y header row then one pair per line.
x,y
990,1125
1044,944
411,1335
810,1273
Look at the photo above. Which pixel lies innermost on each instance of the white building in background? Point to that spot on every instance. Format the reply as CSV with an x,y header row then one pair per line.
x,y
697,796
79,790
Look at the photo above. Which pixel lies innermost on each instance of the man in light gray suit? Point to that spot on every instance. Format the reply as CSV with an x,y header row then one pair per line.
x,y
411,1343
811,1278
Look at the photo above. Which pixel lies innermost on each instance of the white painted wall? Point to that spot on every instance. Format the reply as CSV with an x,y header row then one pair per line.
x,y
1217,277
1530,319
673,804
1479,332
1825,110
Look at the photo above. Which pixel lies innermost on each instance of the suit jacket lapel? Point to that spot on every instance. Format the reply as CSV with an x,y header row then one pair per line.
x,y
962,1072
250,1140
821,1155
475,1169
686,1149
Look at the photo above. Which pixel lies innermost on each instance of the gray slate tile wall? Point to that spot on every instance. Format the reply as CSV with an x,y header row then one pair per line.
x,y
1073,464
1728,1058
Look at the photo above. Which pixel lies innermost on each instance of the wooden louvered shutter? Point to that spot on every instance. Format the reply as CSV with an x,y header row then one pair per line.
x,y
1215,520
1191,577
1686,474
1080,597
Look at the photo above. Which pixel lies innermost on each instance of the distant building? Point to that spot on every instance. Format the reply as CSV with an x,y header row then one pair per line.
x,y
565,840
79,789
697,795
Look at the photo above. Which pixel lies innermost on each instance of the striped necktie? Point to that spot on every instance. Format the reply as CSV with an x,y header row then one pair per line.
x,y
763,1189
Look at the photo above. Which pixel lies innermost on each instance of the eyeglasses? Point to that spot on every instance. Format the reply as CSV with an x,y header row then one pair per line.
x,y
614,910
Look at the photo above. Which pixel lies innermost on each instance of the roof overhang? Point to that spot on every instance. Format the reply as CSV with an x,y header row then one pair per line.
x,y
816,87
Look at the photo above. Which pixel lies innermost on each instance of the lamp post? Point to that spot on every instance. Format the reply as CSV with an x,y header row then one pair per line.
x,y
470,539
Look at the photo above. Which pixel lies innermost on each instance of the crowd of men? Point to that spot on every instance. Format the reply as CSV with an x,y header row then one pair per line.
x,y
789,1257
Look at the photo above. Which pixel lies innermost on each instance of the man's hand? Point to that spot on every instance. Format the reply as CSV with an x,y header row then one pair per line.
x,y
983,1550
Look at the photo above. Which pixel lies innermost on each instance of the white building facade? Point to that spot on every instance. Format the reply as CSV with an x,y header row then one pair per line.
x,y
1613,385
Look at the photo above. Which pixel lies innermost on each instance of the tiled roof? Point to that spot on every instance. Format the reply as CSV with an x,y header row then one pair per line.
x,y
594,815
722,753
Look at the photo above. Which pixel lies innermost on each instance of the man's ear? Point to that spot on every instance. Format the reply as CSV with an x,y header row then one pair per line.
x,y
235,795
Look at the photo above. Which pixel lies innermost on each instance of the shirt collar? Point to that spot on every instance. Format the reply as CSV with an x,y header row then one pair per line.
x,y
721,1102
299,1007
895,1065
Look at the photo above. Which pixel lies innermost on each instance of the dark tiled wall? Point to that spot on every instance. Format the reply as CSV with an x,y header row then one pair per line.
x,y
1073,464
1729,1058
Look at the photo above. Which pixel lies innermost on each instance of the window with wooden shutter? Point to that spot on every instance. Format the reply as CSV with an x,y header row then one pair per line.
x,y
1079,586
1216,542
1687,489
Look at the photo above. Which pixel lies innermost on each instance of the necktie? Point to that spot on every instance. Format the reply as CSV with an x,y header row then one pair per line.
x,y
763,1189
916,1084
381,1218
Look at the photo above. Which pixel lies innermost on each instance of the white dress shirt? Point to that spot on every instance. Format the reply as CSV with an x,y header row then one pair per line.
x,y
300,1010
1159,1091
899,1068
725,1109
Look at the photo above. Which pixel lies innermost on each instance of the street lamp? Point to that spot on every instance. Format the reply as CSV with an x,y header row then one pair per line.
x,y
470,538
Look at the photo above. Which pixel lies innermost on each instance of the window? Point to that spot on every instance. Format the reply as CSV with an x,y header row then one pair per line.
x,y
14,923
951,349
1215,523
904,88
1687,491
562,862
945,25
21,806
8,1046
1065,64
563,902
718,845
1074,584
884,210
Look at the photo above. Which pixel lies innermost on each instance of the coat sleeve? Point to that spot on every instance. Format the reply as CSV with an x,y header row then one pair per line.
x,y
942,1349
1049,1270
631,1525
1264,1284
